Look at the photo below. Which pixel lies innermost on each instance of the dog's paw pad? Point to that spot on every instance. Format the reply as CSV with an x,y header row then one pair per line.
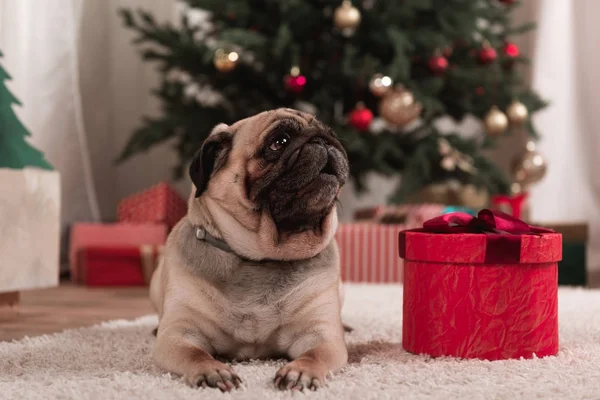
x,y
295,377
215,374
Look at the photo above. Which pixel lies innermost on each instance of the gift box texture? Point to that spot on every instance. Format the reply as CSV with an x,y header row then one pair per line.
x,y
369,252
486,295
117,265
89,235
160,204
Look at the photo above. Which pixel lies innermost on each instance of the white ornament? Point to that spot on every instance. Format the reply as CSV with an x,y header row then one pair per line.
x,y
191,90
184,77
208,97
378,125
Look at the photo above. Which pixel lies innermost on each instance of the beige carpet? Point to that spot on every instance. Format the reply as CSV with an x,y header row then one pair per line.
x,y
111,361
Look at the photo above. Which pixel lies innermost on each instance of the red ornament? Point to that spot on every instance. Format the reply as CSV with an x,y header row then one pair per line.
x,y
479,90
507,2
511,50
438,64
360,118
487,55
512,205
295,84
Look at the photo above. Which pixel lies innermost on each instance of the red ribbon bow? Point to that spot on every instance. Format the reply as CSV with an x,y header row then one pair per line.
x,y
486,221
503,233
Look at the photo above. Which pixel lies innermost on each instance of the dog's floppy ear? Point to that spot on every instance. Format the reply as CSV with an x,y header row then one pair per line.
x,y
211,156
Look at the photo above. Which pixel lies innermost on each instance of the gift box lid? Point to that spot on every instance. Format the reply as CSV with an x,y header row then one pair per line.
x,y
489,238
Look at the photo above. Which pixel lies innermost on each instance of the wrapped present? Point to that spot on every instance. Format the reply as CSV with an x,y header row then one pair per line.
x,y
480,287
88,235
160,203
117,266
413,215
369,252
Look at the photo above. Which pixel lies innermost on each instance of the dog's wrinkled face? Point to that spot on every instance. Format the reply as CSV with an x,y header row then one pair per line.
x,y
297,173
283,165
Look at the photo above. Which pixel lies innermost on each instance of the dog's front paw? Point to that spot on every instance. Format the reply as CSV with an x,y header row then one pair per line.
x,y
215,374
299,375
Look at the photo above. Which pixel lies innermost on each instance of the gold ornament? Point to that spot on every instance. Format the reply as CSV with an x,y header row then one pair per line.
x,y
529,167
495,122
224,61
452,158
399,107
380,85
517,113
452,193
346,17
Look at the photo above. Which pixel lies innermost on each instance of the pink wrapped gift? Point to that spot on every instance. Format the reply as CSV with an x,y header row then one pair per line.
x,y
369,252
86,235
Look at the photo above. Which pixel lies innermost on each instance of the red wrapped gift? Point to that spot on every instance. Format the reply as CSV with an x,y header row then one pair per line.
x,y
160,203
369,252
480,287
87,235
117,266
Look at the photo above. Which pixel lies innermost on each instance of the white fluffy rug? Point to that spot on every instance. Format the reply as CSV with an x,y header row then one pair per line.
x,y
111,361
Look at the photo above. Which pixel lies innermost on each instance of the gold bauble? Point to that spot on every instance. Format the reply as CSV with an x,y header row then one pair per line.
x,y
495,122
452,193
399,107
225,61
380,85
529,167
517,113
346,17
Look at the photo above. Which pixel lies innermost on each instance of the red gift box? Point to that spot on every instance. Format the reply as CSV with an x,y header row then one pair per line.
x,y
160,203
369,252
87,235
117,266
489,295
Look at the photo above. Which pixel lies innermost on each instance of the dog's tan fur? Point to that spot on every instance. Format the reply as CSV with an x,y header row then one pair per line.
x,y
213,303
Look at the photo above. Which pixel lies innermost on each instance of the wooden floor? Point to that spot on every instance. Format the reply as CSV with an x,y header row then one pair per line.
x,y
69,306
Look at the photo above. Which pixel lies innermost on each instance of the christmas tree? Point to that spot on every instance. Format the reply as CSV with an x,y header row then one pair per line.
x,y
380,72
15,152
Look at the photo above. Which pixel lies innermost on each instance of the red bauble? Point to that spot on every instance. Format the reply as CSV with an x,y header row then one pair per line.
x,y
438,64
511,50
487,55
295,84
507,2
360,118
479,91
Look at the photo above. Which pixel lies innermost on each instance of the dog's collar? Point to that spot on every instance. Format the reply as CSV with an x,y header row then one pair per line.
x,y
202,234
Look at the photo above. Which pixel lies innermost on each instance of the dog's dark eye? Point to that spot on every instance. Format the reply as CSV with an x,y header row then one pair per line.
x,y
279,142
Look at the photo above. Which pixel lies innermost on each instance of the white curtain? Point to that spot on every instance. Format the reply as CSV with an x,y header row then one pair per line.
x,y
38,39
565,70
84,89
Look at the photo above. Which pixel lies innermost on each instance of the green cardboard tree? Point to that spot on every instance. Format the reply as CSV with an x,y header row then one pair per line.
x,y
15,151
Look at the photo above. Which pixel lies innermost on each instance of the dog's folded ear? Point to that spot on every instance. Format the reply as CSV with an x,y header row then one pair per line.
x,y
212,155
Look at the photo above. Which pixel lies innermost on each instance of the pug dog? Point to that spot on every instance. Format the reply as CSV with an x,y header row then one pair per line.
x,y
253,270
